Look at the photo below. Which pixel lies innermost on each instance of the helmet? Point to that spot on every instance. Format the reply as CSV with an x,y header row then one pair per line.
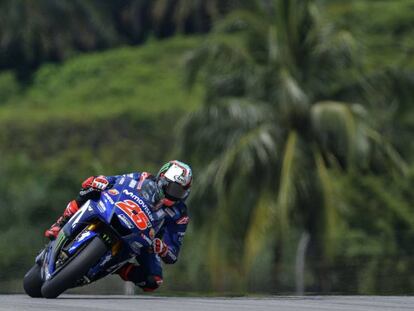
x,y
174,178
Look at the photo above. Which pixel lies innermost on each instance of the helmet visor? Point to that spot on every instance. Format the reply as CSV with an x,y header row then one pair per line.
x,y
175,190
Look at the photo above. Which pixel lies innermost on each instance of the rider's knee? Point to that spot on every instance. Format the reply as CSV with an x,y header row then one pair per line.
x,y
151,283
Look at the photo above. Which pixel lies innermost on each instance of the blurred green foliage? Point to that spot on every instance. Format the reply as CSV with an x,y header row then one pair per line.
x,y
35,32
280,125
299,121
376,239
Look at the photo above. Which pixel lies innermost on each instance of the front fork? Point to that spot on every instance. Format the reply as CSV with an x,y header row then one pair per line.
x,y
113,242
62,251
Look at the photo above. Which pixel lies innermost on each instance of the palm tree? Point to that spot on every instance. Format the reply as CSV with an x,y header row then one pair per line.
x,y
189,16
270,132
36,31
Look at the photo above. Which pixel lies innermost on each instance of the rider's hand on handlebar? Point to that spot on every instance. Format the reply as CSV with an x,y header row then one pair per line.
x,y
160,247
97,183
91,188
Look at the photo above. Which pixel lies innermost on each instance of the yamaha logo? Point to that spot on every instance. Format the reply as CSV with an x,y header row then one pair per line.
x,y
113,192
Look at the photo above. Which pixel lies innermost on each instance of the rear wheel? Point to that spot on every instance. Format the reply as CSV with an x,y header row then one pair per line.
x,y
32,282
75,269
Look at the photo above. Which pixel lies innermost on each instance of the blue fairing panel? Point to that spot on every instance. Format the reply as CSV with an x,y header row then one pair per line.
x,y
80,240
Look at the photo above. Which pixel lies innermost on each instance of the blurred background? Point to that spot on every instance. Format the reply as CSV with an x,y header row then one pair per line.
x,y
296,115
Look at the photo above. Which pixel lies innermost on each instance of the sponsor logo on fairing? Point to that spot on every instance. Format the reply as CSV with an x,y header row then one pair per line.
x,y
125,221
101,207
132,183
141,203
113,192
83,236
108,197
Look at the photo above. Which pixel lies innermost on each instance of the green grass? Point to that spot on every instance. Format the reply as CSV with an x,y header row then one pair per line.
x,y
144,80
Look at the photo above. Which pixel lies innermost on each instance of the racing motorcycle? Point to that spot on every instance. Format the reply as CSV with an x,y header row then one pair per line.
x,y
100,238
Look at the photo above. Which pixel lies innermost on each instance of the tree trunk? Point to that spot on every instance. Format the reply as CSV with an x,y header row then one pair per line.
x,y
300,263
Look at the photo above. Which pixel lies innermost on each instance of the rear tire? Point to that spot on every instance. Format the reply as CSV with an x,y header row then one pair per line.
x,y
32,282
75,269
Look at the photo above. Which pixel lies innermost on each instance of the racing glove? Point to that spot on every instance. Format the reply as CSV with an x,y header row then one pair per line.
x,y
97,183
91,188
160,247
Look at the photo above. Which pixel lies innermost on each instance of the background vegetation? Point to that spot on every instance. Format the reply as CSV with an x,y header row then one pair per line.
x,y
296,116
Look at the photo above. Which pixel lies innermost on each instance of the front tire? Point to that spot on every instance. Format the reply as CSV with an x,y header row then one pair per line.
x,y
32,282
75,269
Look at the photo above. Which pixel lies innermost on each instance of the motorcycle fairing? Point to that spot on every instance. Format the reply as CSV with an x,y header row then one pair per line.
x,y
105,209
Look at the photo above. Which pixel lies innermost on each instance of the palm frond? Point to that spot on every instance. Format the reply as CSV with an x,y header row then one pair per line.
x,y
286,192
256,147
212,129
257,235
270,221
329,222
338,131
389,151
225,64
291,96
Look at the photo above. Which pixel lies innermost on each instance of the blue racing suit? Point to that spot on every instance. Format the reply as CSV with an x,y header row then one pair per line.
x,y
172,222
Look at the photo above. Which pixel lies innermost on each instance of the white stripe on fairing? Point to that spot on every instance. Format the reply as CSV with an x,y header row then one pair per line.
x,y
121,182
79,213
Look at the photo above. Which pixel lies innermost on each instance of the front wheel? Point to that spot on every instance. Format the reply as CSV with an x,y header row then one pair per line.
x,y
75,269
32,282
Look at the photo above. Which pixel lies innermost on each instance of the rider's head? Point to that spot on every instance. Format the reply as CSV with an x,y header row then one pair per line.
x,y
174,179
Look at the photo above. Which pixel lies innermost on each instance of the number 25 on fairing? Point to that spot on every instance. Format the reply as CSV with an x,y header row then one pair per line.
x,y
134,212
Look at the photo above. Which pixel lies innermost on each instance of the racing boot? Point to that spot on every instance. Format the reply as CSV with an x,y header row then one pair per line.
x,y
136,274
54,230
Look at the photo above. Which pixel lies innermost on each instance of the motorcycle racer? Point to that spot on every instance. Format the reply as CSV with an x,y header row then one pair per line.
x,y
166,192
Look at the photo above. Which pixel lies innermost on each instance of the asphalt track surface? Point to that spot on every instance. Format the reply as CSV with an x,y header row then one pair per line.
x,y
156,303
